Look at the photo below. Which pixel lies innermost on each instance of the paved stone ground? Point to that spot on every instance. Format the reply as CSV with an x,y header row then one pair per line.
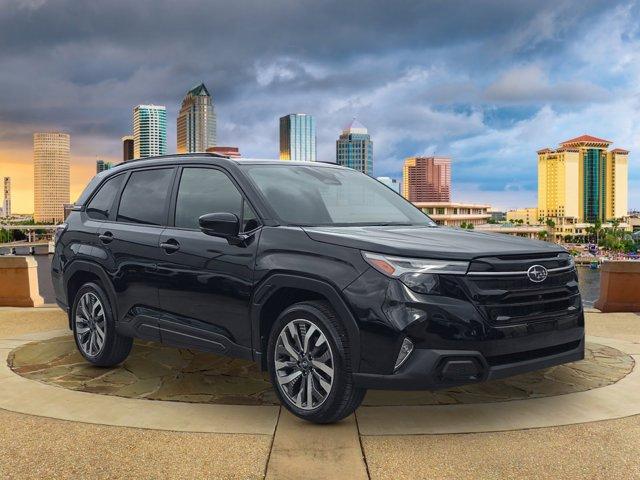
x,y
157,372
34,447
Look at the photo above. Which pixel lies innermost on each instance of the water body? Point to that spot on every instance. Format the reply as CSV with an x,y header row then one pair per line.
x,y
589,285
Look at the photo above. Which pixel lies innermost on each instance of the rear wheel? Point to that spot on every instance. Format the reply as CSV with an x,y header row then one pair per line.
x,y
310,363
94,328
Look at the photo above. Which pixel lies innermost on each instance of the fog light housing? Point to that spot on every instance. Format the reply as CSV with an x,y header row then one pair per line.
x,y
405,351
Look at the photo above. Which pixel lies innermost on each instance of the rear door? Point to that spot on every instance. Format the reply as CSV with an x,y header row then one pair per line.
x,y
129,245
207,282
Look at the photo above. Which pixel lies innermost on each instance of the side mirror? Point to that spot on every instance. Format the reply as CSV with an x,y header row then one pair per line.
x,y
225,225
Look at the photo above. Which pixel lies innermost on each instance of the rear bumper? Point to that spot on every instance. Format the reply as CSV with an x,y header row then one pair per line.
x,y
428,369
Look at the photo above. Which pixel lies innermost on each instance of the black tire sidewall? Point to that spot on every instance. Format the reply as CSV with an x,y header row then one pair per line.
x,y
109,322
341,374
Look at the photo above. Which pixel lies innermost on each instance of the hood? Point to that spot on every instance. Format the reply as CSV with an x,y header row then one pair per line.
x,y
429,242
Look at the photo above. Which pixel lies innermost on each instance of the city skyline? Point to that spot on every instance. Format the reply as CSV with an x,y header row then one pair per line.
x,y
486,88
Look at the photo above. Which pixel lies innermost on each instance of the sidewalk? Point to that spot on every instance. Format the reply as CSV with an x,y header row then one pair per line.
x,y
36,446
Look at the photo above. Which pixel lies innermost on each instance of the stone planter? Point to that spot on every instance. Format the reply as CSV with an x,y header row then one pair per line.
x,y
19,282
619,287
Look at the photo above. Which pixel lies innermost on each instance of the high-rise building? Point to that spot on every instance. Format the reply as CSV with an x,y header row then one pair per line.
x,y
427,179
101,166
51,156
298,137
196,123
392,183
583,181
149,131
354,148
6,205
233,152
127,148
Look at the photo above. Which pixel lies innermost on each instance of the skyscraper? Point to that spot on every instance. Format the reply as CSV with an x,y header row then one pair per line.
x,y
149,131
101,166
127,148
6,206
196,123
581,180
427,179
51,156
298,137
392,183
354,148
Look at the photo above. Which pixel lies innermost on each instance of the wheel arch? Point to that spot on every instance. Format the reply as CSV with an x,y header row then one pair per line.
x,y
279,291
80,272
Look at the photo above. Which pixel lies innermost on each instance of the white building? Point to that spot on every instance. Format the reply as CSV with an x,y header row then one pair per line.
x,y
6,205
149,131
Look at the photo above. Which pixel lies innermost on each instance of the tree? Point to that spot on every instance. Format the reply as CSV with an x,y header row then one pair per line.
x,y
542,235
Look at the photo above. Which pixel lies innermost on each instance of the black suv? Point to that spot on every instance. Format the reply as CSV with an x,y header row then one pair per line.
x,y
322,275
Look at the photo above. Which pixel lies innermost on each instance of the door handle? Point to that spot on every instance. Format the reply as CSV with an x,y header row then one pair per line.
x,y
170,245
106,237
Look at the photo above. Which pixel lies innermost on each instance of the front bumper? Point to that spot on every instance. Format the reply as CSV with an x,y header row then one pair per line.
x,y
428,369
455,343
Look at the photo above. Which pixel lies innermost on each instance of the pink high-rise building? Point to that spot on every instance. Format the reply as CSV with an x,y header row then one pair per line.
x,y
427,179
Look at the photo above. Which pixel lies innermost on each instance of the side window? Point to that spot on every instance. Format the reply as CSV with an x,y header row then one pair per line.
x,y
205,190
143,198
100,205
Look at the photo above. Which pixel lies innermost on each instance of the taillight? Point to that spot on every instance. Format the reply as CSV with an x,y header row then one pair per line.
x,y
60,229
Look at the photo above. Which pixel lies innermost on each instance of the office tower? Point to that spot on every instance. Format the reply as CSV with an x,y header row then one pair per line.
x,y
6,205
233,152
427,179
298,137
51,156
127,148
196,123
392,183
149,131
354,148
583,181
101,166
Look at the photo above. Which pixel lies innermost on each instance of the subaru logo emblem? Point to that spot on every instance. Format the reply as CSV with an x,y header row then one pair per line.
x,y
537,273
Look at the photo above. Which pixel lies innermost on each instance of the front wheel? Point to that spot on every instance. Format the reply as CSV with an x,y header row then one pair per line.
x,y
309,361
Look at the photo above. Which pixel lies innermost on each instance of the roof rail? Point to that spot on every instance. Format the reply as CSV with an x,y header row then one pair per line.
x,y
173,155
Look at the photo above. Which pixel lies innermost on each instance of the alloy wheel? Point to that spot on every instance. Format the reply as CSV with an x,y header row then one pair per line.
x,y
90,324
304,364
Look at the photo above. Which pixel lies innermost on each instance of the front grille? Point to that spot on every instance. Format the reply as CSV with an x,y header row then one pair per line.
x,y
508,297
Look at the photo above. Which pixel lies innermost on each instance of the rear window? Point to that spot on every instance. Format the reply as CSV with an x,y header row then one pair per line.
x,y
101,204
144,197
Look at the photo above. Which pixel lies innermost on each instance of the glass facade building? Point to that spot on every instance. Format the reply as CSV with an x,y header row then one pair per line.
x,y
101,166
583,181
392,183
298,137
196,123
354,148
149,131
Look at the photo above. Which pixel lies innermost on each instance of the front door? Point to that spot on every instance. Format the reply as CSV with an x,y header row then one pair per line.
x,y
207,282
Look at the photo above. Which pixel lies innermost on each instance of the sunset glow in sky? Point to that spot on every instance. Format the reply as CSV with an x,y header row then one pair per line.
x,y
487,83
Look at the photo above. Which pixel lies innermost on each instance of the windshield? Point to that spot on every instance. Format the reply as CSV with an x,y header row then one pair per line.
x,y
314,196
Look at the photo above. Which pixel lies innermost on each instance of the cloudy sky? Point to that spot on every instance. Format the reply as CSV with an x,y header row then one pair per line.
x,y
485,82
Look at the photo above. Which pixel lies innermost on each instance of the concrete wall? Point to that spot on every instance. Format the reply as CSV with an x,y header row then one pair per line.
x,y
19,282
619,287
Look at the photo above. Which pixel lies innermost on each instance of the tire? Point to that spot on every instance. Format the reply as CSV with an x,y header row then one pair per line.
x,y
325,360
92,314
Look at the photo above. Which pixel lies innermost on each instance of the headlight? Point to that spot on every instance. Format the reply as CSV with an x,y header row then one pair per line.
x,y
419,274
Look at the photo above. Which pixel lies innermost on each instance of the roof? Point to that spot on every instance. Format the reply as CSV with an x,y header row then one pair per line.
x,y
354,126
545,150
620,150
586,139
199,91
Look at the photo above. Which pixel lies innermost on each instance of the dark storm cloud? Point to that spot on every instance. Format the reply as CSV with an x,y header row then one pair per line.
x,y
419,74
